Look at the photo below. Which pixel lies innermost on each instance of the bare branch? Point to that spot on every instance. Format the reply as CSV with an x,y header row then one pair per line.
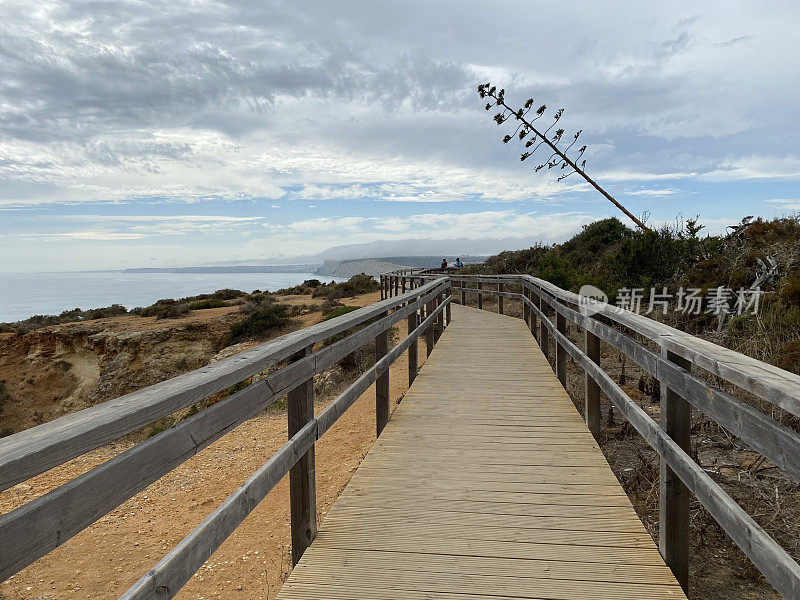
x,y
526,126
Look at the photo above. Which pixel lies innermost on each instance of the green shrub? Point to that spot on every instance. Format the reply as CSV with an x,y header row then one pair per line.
x,y
228,294
259,323
355,286
237,387
165,309
204,304
303,289
67,316
161,425
790,291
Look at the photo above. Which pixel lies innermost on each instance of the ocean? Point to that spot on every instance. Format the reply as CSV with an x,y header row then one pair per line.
x,y
23,295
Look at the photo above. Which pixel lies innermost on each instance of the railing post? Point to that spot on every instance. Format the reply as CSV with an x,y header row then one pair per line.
x,y
526,311
480,295
429,332
413,357
461,283
592,405
403,284
499,298
381,284
302,483
382,382
396,285
447,311
561,350
438,321
544,334
673,531
534,317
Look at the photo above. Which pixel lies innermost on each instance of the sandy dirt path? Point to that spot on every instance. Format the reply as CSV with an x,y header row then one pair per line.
x,y
108,557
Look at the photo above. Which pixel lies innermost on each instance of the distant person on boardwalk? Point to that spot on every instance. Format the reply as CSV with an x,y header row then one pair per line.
x,y
459,264
444,263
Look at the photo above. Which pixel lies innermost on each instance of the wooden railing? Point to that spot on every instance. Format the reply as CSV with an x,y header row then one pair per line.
x,y
34,529
677,355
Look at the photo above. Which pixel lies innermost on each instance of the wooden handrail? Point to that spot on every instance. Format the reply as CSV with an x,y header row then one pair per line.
x,y
177,567
672,367
45,446
39,526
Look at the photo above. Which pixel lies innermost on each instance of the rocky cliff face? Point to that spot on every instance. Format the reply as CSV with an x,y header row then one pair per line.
x,y
348,268
57,370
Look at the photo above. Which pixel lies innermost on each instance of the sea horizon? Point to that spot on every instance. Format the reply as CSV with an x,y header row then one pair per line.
x,y
24,295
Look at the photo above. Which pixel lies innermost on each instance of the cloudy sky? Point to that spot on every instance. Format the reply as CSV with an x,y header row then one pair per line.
x,y
200,132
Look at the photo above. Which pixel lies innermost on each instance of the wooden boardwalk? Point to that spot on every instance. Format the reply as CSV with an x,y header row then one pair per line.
x,y
485,483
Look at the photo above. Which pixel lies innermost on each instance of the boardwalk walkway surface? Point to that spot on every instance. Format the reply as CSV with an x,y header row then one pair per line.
x,y
485,483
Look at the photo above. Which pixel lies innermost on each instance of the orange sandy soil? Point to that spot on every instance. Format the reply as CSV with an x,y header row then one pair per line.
x,y
108,557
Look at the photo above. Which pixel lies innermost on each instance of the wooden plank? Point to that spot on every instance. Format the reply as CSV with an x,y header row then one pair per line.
x,y
334,559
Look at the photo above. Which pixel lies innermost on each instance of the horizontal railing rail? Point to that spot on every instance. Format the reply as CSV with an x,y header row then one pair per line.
x,y
36,528
678,352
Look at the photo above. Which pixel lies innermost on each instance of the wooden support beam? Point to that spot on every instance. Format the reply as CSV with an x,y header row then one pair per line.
x,y
447,310
396,285
500,299
382,383
480,296
439,321
592,401
463,293
526,312
403,284
544,335
430,331
413,357
561,352
673,531
302,480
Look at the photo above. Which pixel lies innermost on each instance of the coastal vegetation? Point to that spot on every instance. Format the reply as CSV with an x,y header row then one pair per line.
x,y
169,308
260,322
753,253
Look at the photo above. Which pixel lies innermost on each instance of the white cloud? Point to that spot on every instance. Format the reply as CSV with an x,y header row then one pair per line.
x,y
371,109
786,203
86,235
654,193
